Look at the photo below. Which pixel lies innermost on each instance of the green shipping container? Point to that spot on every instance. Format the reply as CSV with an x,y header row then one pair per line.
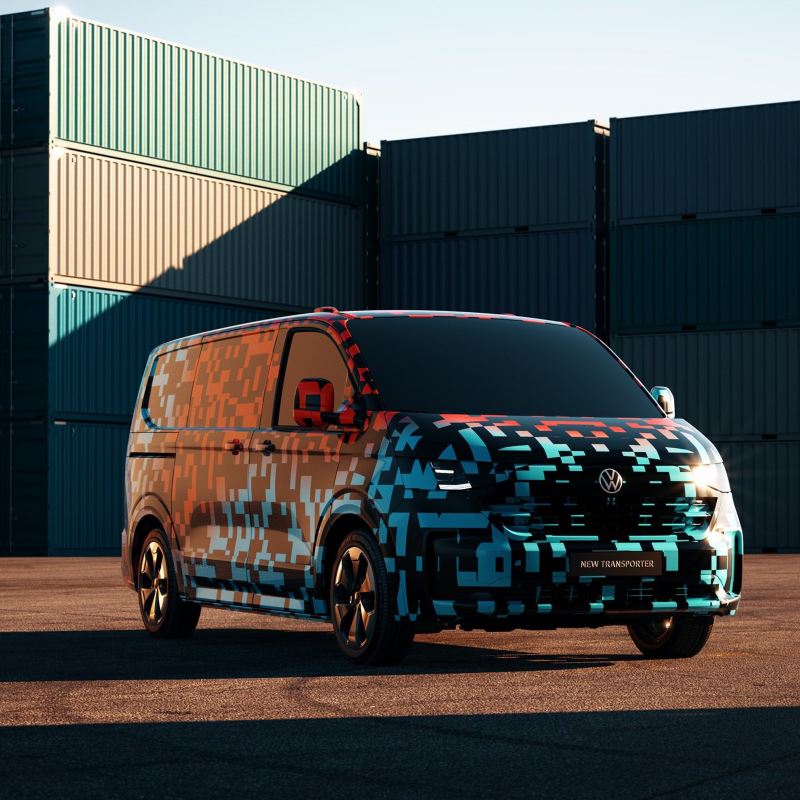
x,y
69,79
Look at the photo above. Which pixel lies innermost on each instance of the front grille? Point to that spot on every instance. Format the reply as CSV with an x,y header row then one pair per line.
x,y
570,516
583,509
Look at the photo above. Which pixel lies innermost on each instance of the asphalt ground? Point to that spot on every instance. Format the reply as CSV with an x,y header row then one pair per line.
x,y
91,706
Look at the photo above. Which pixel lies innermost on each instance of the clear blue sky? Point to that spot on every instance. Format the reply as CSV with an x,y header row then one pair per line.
x,y
432,67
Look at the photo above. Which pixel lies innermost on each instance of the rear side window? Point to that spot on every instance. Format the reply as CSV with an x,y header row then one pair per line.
x,y
230,381
169,389
312,354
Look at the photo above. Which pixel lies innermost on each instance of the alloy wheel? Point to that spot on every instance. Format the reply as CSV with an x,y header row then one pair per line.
x,y
154,583
656,630
354,600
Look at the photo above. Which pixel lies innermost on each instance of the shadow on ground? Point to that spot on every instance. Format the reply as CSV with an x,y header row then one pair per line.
x,y
242,653
706,753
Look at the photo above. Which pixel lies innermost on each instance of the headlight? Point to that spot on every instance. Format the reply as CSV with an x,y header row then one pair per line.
x,y
450,478
712,476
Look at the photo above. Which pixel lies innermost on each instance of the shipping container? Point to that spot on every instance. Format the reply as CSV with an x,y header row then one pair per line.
x,y
23,350
727,273
61,487
545,177
23,487
24,192
86,488
130,225
705,163
90,363
738,384
549,275
764,478
65,78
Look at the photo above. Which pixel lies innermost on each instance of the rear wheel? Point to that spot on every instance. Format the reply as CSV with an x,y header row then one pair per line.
x,y
672,637
362,609
164,613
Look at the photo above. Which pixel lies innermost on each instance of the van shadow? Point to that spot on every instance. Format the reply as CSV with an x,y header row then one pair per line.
x,y
737,752
244,653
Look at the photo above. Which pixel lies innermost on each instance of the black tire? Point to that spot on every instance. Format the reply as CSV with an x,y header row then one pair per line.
x,y
164,614
362,606
673,637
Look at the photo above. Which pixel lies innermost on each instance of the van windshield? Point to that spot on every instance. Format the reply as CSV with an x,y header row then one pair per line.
x,y
467,365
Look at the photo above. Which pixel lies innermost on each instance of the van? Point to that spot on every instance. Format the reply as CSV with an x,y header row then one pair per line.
x,y
404,471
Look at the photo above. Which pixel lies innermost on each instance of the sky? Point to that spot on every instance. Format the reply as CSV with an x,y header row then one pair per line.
x,y
430,68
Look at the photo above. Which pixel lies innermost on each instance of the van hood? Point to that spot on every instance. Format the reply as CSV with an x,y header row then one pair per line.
x,y
562,442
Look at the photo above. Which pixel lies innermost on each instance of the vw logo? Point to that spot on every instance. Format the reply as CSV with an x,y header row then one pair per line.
x,y
610,481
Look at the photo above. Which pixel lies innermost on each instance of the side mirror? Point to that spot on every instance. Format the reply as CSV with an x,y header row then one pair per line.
x,y
313,407
664,398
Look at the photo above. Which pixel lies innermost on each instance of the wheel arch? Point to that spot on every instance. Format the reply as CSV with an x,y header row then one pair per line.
x,y
348,512
150,515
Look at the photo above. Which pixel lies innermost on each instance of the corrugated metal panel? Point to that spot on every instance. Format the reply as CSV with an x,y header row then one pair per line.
x,y
99,342
23,214
548,275
127,223
764,478
86,488
730,383
722,161
717,273
23,350
90,365
23,487
24,65
126,92
537,177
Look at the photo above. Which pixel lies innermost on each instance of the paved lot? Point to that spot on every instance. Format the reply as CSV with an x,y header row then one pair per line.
x,y
90,706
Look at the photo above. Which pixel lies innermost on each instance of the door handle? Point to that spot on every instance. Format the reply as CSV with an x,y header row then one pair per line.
x,y
234,446
267,446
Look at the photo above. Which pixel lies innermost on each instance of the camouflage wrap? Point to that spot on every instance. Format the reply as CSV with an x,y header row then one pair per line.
x,y
249,506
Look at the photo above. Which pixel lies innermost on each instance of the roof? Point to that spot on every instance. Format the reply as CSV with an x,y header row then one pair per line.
x,y
329,314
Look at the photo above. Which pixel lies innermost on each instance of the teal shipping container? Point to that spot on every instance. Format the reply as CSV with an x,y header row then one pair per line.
x,y
23,487
712,163
737,384
764,478
551,275
61,487
78,353
71,80
497,181
726,273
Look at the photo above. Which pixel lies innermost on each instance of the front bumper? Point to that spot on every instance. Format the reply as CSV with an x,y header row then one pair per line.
x,y
473,576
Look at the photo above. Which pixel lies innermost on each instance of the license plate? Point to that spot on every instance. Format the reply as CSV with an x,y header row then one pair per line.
x,y
617,563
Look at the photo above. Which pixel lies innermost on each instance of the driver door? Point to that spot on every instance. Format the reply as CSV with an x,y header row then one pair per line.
x,y
293,469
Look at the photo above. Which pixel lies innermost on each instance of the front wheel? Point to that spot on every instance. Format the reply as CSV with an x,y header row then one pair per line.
x,y
164,613
362,609
672,637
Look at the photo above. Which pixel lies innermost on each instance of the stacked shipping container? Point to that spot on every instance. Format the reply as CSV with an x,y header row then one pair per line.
x,y
147,191
504,221
705,247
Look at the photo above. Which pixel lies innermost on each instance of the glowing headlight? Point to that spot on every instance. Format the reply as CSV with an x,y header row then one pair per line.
x,y
712,476
450,479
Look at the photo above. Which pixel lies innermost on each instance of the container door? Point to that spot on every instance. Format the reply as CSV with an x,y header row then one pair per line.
x,y
211,487
294,472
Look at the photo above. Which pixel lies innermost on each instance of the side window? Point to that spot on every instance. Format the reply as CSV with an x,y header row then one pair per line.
x,y
312,354
231,376
165,403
